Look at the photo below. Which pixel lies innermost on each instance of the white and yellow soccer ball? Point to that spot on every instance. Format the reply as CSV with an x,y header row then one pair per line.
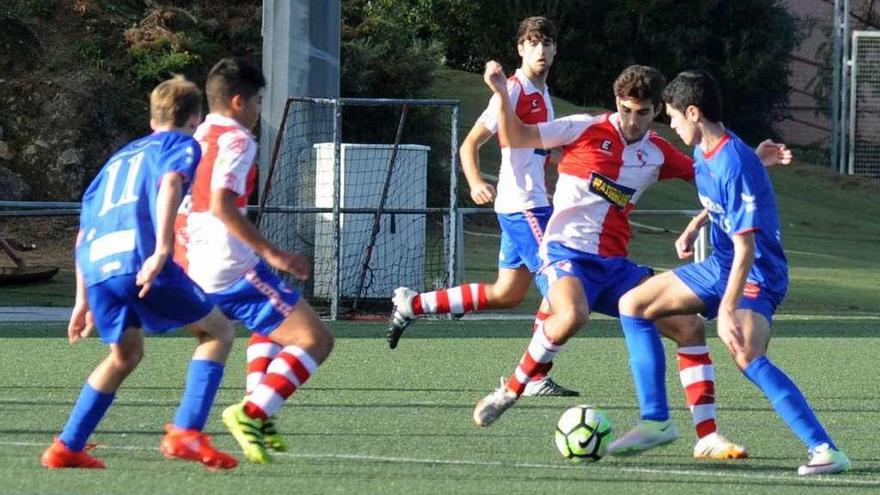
x,y
583,434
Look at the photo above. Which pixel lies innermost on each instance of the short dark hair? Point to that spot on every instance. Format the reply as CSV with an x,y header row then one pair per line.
x,y
695,88
536,28
229,77
640,82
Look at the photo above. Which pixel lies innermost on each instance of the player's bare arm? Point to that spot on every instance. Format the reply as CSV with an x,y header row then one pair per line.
x,y
481,191
223,207
511,130
684,245
167,202
80,325
729,326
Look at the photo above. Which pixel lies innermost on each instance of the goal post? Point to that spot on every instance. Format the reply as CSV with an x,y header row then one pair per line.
x,y
864,106
370,199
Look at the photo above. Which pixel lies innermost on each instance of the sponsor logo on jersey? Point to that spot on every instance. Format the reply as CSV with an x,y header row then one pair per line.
x,y
606,145
710,205
616,194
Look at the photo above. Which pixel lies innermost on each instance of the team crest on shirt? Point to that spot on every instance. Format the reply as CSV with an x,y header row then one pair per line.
x,y
616,194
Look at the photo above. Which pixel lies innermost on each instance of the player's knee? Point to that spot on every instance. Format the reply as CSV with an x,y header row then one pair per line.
x,y
631,305
691,332
326,340
126,360
744,359
568,321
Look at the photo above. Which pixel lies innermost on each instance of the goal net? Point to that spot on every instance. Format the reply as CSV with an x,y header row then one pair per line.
x,y
365,188
864,124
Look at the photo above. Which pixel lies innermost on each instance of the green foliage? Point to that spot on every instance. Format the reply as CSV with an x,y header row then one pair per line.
x,y
743,43
190,40
152,66
91,51
381,56
43,9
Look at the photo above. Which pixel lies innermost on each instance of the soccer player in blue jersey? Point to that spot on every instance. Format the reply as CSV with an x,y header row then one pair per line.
x,y
127,283
746,276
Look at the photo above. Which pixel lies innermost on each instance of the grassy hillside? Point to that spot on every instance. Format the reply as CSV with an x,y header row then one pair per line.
x,y
830,225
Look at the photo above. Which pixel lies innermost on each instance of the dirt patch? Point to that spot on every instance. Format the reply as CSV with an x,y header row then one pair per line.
x,y
52,240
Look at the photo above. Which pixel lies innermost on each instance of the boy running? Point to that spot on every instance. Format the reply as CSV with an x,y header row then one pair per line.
x,y
232,261
521,201
607,163
127,283
746,276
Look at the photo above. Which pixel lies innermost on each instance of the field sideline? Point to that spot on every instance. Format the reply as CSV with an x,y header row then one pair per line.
x,y
399,421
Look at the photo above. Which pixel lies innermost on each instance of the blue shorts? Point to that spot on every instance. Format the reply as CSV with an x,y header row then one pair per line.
x,y
521,234
260,300
172,302
605,279
708,280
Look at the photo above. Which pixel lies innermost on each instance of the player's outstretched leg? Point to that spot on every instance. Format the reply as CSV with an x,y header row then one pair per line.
x,y
402,315
648,366
537,359
697,374
260,353
69,449
541,384
306,342
184,438
492,406
409,304
792,407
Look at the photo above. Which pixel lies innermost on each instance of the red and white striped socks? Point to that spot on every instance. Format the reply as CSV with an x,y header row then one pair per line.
x,y
287,372
537,359
540,317
260,352
698,379
457,300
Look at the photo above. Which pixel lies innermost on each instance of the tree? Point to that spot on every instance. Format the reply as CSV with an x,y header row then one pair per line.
x,y
744,43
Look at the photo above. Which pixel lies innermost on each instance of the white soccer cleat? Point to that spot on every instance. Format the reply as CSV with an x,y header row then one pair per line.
x,y
546,387
402,315
492,406
716,446
644,436
825,460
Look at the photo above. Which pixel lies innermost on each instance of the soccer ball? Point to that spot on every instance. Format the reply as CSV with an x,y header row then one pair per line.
x,y
583,434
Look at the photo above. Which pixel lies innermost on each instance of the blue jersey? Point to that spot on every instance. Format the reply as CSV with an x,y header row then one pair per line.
x,y
736,190
118,218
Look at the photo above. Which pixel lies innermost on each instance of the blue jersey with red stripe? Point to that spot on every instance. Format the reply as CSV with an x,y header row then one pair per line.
x,y
734,187
118,218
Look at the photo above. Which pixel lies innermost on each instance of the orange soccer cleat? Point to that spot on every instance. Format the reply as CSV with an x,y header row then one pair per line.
x,y
193,445
59,456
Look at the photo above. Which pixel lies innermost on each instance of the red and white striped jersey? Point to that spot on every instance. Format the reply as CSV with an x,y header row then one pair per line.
x,y
216,258
601,178
521,184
